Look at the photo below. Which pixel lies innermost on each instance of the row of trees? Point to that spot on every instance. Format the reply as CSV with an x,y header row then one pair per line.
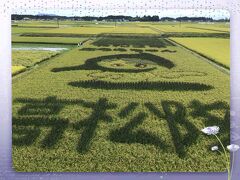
x,y
115,18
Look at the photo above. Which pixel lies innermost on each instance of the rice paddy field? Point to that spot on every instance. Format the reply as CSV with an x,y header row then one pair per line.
x,y
214,48
192,27
28,55
128,99
29,58
48,40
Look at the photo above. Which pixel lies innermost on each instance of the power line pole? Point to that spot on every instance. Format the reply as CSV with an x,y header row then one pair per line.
x,y
58,22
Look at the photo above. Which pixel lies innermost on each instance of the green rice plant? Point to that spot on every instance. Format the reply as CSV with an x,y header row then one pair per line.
x,y
80,30
95,49
195,35
133,30
104,49
87,49
142,85
48,40
168,51
78,113
175,27
93,63
64,35
29,58
215,48
151,50
20,30
132,41
120,49
137,50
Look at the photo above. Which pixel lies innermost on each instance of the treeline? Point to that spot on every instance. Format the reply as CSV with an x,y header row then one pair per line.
x,y
115,18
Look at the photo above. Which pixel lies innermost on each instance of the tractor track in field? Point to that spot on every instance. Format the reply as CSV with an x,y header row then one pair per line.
x,y
211,61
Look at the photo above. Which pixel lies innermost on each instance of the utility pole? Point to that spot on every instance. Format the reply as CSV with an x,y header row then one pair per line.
x,y
58,22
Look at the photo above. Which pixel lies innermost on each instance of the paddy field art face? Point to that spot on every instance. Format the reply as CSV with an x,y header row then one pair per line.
x,y
119,97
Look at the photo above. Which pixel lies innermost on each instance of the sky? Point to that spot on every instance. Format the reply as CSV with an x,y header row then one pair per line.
x,y
124,7
215,14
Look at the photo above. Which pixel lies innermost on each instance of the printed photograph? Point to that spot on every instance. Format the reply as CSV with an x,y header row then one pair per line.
x,y
117,91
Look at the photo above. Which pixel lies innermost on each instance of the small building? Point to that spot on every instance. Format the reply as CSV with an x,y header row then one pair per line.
x,y
26,19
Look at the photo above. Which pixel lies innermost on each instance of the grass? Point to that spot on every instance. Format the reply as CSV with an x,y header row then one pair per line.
x,y
215,48
78,112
